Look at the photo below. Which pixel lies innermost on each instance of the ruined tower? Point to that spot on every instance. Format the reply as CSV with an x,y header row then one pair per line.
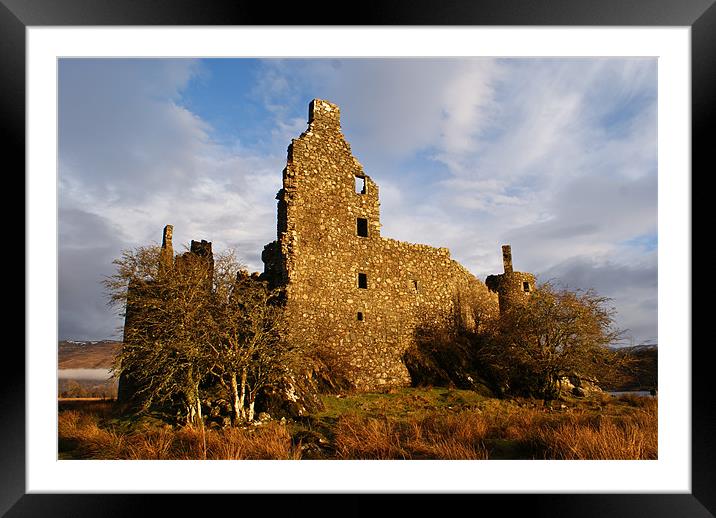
x,y
511,286
359,295
198,251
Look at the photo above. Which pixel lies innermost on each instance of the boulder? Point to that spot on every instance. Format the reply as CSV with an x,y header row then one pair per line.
x,y
312,444
579,386
292,396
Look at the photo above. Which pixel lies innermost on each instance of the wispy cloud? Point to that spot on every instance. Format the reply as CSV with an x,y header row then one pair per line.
x,y
557,157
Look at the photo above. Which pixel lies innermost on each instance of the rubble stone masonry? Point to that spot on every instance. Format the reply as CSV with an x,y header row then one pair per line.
x,y
348,289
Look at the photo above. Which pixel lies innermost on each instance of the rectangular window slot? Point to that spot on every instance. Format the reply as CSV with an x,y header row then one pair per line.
x,y
362,227
360,184
363,281
360,316
526,286
415,286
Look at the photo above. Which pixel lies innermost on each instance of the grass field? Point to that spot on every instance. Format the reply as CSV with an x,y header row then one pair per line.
x,y
415,423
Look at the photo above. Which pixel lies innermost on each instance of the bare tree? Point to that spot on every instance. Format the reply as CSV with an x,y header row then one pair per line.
x,y
193,320
250,322
168,347
557,333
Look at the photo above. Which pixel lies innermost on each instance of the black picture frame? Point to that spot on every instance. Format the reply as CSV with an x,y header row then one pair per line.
x,y
700,15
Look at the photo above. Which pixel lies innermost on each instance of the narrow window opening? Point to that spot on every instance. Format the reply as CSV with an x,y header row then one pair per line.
x,y
360,316
526,286
363,281
360,184
415,286
362,227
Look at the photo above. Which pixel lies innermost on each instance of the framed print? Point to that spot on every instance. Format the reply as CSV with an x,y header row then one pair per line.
x,y
38,35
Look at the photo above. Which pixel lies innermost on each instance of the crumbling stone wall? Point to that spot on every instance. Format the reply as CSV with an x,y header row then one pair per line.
x,y
349,290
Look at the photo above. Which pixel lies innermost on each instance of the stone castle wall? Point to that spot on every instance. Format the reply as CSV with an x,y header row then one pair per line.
x,y
361,297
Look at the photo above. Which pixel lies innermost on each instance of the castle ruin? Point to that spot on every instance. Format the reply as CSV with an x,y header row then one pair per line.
x,y
348,289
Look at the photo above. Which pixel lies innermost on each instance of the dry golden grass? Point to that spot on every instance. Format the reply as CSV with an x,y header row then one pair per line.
x,y
578,434
616,428
609,440
367,438
436,436
81,433
151,445
271,441
451,436
627,437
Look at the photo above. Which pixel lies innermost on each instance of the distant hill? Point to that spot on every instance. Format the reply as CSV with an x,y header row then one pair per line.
x,y
98,354
636,349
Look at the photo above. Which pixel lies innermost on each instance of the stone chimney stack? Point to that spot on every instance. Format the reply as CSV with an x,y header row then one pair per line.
x,y
167,237
507,258
166,256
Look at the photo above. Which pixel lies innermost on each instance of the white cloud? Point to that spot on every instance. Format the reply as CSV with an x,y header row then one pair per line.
x,y
134,159
117,117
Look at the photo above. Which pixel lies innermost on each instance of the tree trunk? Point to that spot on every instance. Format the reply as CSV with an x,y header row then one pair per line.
x,y
190,409
251,409
251,396
242,397
201,422
236,401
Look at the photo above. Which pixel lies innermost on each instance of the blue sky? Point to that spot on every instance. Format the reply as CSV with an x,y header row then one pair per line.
x,y
557,157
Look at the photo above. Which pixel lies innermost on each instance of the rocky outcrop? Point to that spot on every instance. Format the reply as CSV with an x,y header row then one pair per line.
x,y
293,396
578,386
